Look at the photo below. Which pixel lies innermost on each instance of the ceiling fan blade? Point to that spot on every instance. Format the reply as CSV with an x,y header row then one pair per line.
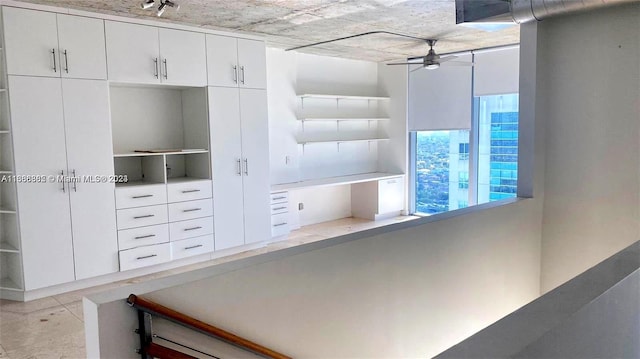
x,y
404,63
447,58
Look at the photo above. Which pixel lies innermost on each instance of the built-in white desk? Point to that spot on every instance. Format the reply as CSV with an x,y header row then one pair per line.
x,y
335,181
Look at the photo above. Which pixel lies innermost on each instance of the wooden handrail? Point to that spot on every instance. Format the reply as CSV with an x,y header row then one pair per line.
x,y
207,329
158,351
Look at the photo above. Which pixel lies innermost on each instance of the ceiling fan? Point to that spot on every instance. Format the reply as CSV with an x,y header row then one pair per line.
x,y
432,60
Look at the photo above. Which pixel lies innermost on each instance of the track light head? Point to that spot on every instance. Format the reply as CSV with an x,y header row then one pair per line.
x,y
166,3
147,4
161,9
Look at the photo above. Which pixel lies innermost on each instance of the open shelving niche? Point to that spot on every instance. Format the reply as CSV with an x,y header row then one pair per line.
x,y
11,277
171,123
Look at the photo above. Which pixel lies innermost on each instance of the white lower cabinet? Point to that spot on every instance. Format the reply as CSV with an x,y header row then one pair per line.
x,y
191,228
143,236
280,214
378,199
142,216
145,256
192,246
182,211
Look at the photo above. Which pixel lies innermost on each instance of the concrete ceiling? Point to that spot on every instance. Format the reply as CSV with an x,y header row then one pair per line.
x,y
289,23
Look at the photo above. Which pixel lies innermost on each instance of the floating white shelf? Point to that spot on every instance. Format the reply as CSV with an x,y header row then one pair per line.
x,y
344,97
344,141
334,181
343,119
8,248
9,284
143,154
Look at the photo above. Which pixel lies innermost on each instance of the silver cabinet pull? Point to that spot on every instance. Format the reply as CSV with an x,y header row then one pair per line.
x,y
192,247
191,191
242,75
66,62
62,176
166,69
192,210
239,167
142,196
192,228
280,224
145,216
145,257
246,167
155,66
55,66
279,208
75,181
277,198
235,74
147,236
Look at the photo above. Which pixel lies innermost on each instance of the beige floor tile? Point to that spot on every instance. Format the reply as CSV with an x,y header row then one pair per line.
x,y
49,333
28,307
3,353
76,309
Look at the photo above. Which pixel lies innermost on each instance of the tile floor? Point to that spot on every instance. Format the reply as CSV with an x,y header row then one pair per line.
x,y
53,327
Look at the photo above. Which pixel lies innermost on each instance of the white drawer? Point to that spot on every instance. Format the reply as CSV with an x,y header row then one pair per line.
x,y
142,216
279,224
188,191
191,228
279,197
144,256
189,210
143,236
191,247
279,208
138,196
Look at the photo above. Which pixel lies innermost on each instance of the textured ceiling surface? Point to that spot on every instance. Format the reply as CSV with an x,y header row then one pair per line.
x,y
289,23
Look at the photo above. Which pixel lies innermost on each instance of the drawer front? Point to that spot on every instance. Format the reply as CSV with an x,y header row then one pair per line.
x,y
138,196
277,208
143,236
279,197
188,191
142,216
191,228
145,256
191,247
182,211
390,195
279,224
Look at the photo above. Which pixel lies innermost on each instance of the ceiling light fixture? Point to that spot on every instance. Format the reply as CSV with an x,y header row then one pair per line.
x,y
147,4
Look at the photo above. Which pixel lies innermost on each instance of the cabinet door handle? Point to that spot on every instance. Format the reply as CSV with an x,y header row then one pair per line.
x,y
74,180
155,66
242,75
147,236
55,66
278,198
66,62
142,196
192,210
145,216
192,247
145,257
280,224
192,229
239,167
235,74
166,69
191,191
279,208
62,176
246,167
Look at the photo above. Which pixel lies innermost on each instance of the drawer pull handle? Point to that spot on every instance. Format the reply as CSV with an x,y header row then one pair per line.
x,y
145,257
191,191
192,247
280,224
192,210
147,236
145,216
277,198
279,208
142,196
192,228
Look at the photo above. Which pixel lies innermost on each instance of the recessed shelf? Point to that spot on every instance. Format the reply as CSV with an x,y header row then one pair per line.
x,y
344,141
143,154
8,247
9,284
344,97
342,119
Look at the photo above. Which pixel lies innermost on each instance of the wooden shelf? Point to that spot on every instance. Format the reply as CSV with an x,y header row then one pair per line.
x,y
144,154
334,181
9,284
342,119
8,248
344,141
344,97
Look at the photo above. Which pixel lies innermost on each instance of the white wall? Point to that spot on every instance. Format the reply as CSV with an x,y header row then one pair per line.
x,y
589,81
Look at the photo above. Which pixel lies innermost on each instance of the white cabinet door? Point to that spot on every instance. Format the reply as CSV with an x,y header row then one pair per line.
x,y
183,58
39,149
132,52
82,48
252,64
89,152
222,61
31,40
226,156
255,150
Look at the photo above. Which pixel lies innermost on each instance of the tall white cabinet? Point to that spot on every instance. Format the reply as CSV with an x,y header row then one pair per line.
x,y
240,163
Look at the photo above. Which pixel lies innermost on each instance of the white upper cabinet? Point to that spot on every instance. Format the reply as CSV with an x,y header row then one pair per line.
x,y
146,54
81,47
46,44
183,58
133,52
235,62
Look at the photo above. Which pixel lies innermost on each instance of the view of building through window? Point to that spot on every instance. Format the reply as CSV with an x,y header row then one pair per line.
x,y
442,159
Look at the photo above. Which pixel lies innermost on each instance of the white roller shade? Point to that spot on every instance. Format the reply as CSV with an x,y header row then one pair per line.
x,y
496,72
440,99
